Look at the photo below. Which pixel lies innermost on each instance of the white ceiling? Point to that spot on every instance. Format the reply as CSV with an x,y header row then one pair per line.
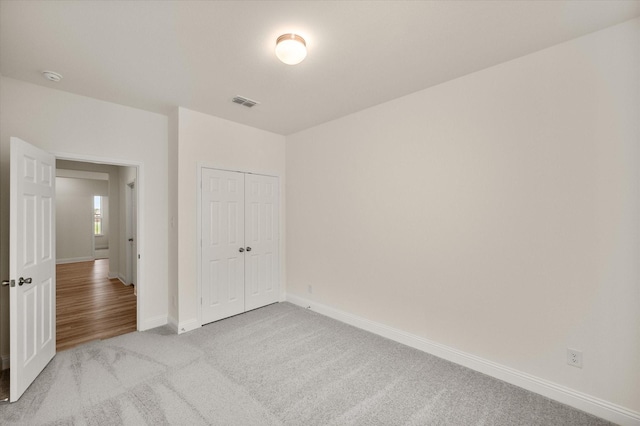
x,y
157,55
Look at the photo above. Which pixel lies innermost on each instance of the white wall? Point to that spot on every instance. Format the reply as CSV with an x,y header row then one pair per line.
x,y
222,144
497,214
62,122
74,217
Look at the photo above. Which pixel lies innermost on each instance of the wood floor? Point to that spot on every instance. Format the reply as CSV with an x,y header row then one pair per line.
x,y
90,306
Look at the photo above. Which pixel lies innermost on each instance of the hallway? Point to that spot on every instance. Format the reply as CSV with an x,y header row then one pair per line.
x,y
91,306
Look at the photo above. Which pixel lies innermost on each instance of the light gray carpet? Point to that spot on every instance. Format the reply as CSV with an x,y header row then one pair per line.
x,y
278,365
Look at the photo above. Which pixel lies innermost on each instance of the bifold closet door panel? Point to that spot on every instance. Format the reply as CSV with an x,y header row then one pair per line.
x,y
222,263
262,264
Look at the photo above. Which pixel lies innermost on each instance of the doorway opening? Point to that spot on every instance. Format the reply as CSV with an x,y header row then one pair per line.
x,y
90,306
96,251
131,209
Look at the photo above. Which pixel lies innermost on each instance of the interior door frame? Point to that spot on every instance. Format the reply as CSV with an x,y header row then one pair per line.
x,y
140,231
206,165
130,230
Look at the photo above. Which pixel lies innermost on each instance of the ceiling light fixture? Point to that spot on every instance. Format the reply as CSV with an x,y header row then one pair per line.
x,y
52,76
291,49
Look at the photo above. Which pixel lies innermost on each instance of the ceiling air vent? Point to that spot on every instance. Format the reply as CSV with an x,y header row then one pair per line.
x,y
244,101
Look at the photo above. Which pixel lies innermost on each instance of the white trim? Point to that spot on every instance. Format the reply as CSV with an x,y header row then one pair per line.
x,y
149,323
590,404
190,325
75,260
81,174
198,243
111,275
210,165
101,253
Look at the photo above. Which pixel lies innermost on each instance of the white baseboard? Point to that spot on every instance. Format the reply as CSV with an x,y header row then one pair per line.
x,y
565,395
101,253
153,322
5,362
189,325
74,260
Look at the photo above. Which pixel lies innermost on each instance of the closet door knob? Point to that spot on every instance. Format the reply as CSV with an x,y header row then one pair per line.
x,y
248,248
241,249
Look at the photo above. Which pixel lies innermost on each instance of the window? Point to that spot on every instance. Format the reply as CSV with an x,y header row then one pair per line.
x,y
97,215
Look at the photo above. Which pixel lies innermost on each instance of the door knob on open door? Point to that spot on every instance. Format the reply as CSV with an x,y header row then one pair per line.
x,y
24,281
7,282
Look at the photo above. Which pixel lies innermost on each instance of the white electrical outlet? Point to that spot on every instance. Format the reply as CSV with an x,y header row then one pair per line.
x,y
574,358
310,289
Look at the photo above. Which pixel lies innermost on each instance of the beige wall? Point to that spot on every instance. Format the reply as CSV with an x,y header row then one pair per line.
x,y
62,122
74,217
113,205
497,214
212,141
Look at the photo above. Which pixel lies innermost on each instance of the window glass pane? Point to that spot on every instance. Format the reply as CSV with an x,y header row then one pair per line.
x,y
97,215
97,204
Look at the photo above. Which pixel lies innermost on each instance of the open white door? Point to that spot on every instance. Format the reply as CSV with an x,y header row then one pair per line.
x,y
32,264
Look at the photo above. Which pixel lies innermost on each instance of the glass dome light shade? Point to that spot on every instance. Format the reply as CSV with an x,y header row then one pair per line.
x,y
291,49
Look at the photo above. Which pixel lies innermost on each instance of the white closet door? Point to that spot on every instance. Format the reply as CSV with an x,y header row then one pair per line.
x,y
222,251
261,241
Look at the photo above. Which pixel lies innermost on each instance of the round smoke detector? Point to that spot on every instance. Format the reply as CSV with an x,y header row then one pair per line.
x,y
52,76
